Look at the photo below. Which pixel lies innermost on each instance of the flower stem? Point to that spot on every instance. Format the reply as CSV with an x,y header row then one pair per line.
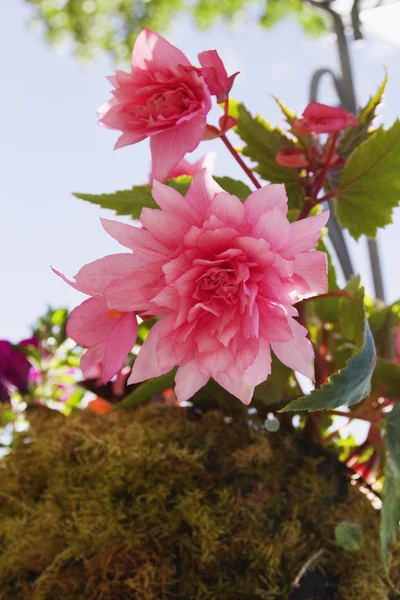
x,y
328,158
239,160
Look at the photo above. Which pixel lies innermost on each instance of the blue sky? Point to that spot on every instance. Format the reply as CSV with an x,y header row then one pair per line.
x,y
51,145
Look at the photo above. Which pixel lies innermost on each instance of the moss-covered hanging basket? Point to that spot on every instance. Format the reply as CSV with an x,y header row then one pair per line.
x,y
168,503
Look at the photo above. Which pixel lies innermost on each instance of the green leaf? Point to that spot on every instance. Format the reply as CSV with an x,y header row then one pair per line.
x,y
390,514
352,383
235,187
147,390
369,189
386,378
130,202
355,135
349,536
352,314
262,145
327,308
288,113
383,322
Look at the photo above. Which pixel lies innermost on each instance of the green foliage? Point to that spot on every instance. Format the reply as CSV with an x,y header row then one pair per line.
x,y
369,189
131,202
390,514
262,144
386,378
235,187
96,26
349,536
169,503
383,322
352,383
366,115
272,391
147,390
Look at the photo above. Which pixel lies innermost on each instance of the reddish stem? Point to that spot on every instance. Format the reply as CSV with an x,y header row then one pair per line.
x,y
239,160
305,211
328,158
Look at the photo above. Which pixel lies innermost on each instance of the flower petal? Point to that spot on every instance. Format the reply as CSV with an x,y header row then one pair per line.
x,y
152,51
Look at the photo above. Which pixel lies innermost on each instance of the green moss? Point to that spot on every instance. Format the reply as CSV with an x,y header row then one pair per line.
x,y
163,503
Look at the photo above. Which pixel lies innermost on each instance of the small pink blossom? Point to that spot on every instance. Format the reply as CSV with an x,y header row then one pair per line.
x,y
223,276
320,118
163,97
108,334
184,167
215,75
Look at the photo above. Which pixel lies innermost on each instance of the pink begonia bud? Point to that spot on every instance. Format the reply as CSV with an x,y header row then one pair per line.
x,y
294,158
215,74
222,276
320,118
164,98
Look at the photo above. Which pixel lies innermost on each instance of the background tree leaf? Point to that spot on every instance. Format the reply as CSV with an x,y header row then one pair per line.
x,y
390,514
262,145
369,189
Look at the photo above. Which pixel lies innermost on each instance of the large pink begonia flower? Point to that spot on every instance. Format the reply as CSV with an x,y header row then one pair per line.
x,y
108,334
223,276
163,97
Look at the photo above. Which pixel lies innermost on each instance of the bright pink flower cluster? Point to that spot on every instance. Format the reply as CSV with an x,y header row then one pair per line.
x,y
221,275
165,98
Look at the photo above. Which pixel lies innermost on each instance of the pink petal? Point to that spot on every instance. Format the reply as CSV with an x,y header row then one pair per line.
x,y
258,372
237,385
92,361
119,343
257,250
188,380
174,203
167,229
202,191
265,199
273,227
127,138
146,364
274,322
228,209
312,267
169,147
304,235
152,52
89,323
133,294
297,354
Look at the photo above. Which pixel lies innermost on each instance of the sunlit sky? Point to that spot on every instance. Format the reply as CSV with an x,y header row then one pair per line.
x,y
51,145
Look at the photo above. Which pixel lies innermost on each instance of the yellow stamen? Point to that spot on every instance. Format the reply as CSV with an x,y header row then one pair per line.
x,y
114,314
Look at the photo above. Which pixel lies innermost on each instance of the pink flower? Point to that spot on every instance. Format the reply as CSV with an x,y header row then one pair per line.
x,y
223,276
184,167
108,334
163,97
215,75
294,158
320,118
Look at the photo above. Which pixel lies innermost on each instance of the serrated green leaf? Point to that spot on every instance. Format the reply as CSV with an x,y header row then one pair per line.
x,y
369,189
349,536
355,135
390,514
147,390
289,114
262,145
130,202
349,386
234,186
